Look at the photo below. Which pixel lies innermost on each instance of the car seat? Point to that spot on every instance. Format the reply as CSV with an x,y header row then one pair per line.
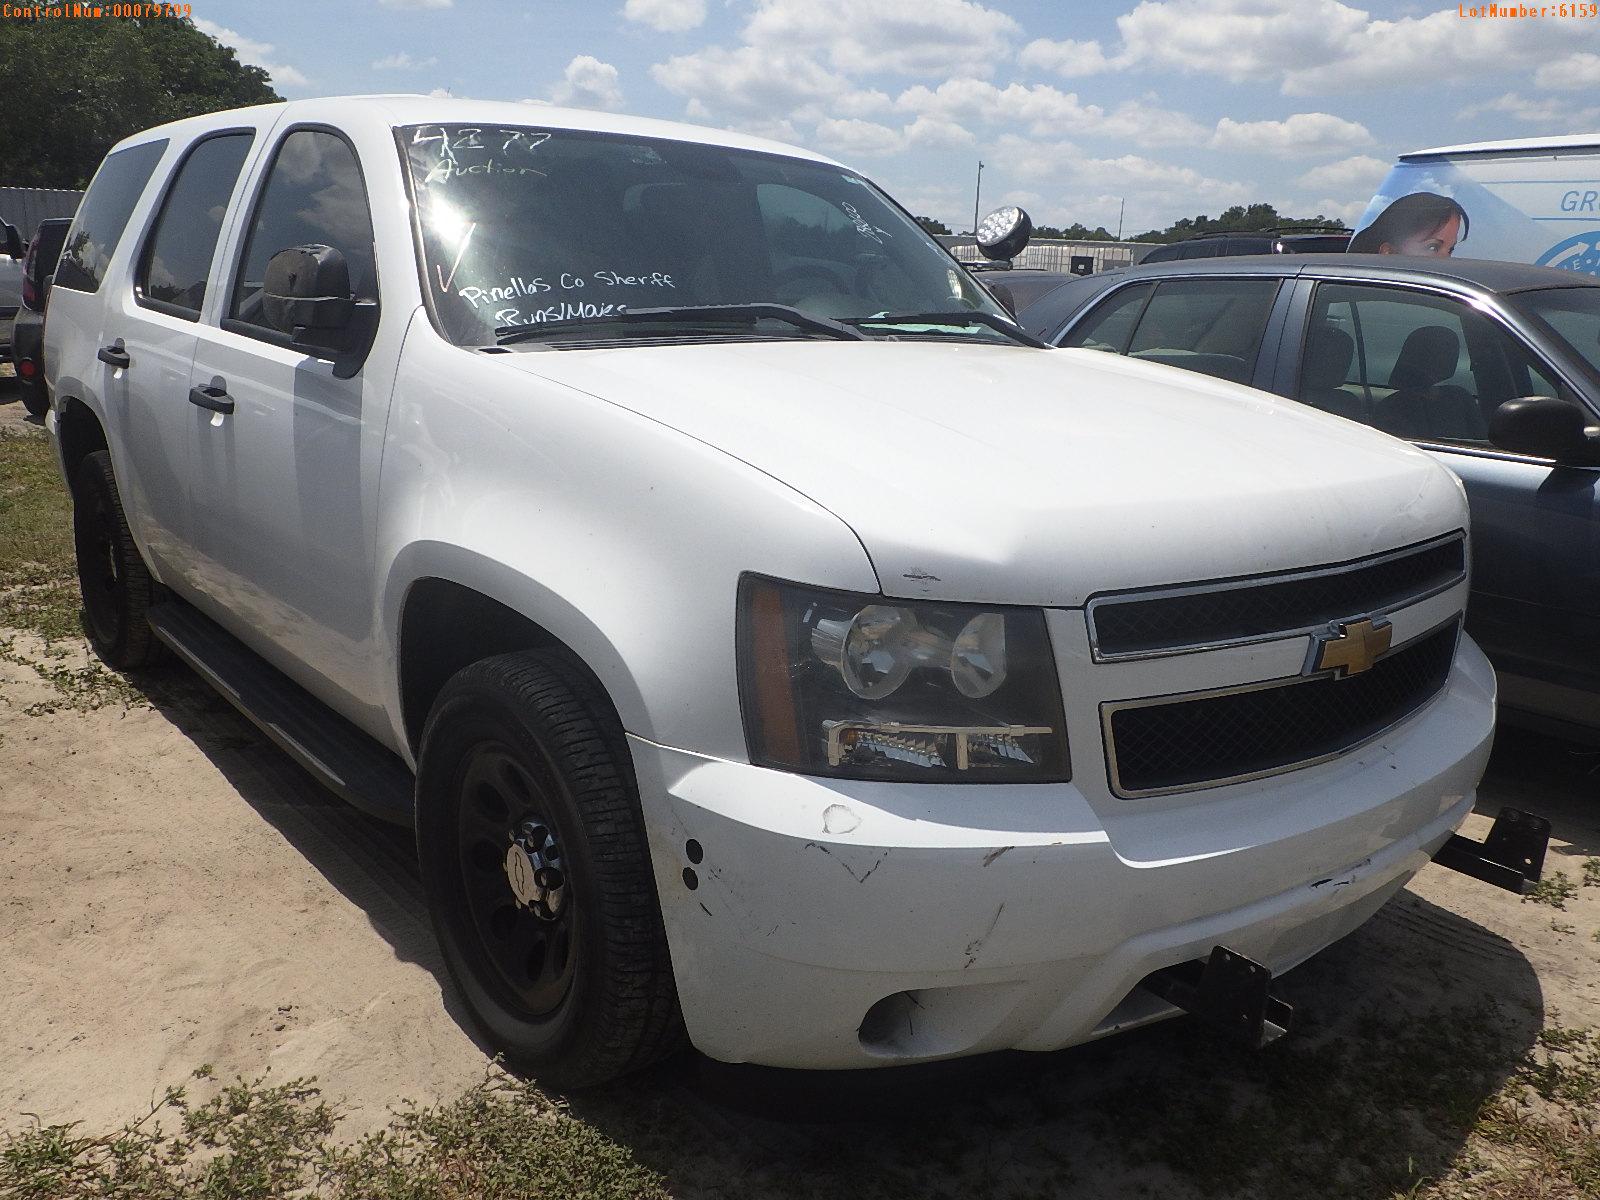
x,y
1329,352
1422,404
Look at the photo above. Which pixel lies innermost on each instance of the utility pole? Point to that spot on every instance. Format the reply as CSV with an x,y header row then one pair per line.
x,y
976,199
1122,207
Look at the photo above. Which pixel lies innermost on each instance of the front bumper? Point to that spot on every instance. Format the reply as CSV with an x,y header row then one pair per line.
x,y
833,924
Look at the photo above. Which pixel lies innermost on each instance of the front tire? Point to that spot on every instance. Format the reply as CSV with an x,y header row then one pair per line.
x,y
112,577
534,859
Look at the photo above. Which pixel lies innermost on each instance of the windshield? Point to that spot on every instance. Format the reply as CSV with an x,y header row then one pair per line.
x,y
1574,314
525,227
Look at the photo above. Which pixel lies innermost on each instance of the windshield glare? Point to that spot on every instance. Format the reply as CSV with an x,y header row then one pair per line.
x,y
1573,313
525,226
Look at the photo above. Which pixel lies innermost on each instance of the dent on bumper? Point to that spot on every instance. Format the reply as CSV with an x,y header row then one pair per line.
x,y
1020,917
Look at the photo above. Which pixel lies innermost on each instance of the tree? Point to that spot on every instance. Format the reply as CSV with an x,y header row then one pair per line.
x,y
1238,219
932,225
75,88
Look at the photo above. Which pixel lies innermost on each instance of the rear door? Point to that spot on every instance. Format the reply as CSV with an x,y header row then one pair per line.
x,y
1212,324
153,313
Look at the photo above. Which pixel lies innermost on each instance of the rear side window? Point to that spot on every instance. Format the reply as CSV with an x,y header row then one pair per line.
x,y
1111,324
104,214
314,195
176,265
1213,326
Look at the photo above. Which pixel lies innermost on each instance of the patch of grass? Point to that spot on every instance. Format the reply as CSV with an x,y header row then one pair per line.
x,y
1555,889
38,580
1591,872
252,1140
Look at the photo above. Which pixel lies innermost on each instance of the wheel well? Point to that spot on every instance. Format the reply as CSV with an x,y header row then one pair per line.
x,y
80,434
444,627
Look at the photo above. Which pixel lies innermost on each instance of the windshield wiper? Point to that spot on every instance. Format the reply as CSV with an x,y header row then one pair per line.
x,y
703,314
958,319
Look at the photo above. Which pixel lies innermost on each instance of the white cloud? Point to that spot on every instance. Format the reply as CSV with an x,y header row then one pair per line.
x,y
1066,57
856,137
1045,110
666,16
1303,133
588,83
416,4
403,62
1359,174
1548,111
253,53
1570,73
918,37
750,84
937,132
1317,47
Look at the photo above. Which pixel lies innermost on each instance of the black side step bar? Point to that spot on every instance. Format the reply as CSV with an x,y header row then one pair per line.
x,y
1511,857
1227,991
342,757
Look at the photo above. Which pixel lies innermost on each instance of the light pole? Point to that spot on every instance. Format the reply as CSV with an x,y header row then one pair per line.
x,y
1121,208
976,195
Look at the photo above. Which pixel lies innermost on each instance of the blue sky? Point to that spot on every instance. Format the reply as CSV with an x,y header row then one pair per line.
x,y
1177,106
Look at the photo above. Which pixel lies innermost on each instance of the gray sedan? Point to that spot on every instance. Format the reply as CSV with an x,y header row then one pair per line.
x,y
1493,367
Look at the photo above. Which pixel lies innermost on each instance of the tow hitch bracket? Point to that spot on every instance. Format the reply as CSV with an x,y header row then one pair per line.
x,y
1228,991
1511,857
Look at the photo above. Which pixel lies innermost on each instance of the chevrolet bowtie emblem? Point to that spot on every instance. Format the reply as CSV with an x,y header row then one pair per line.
x,y
1349,648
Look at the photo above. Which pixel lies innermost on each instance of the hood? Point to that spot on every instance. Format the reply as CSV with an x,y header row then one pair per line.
x,y
1005,474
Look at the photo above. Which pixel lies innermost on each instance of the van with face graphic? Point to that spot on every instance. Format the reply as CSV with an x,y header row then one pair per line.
x,y
1533,200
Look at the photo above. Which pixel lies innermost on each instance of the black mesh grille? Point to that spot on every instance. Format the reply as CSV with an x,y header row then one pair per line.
x,y
1197,741
1136,626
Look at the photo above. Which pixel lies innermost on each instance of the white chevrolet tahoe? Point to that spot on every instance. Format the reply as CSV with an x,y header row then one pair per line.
x,y
769,642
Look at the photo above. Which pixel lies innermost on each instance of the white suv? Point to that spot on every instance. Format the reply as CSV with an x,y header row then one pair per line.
x,y
769,641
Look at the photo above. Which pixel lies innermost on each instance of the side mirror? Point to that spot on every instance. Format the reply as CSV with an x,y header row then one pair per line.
x,y
306,294
1003,294
14,246
1004,233
1546,427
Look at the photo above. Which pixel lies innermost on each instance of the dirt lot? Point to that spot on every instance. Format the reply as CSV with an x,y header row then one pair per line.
x,y
176,892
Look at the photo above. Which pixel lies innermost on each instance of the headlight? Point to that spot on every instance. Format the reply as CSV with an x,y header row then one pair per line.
x,y
862,687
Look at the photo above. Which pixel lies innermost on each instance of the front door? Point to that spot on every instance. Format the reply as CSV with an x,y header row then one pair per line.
x,y
285,483
1432,369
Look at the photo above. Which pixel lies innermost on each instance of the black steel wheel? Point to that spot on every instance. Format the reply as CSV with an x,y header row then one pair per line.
x,y
534,858
115,583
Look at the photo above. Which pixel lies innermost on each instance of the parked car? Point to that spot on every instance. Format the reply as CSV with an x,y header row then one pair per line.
x,y
11,252
1530,200
1443,353
766,638
1270,241
27,335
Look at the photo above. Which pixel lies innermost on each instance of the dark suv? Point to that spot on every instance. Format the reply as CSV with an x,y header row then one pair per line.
x,y
1491,367
27,334
1268,241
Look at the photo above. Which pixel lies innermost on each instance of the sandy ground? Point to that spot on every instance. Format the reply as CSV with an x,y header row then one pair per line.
x,y
175,891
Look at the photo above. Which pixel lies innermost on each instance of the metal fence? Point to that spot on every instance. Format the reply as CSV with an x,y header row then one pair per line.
x,y
26,207
1058,255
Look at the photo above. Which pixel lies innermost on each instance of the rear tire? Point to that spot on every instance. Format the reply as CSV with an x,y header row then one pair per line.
x,y
34,399
534,858
112,577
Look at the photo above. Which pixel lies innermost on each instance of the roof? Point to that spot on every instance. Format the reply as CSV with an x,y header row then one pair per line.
x,y
1566,141
403,109
1488,274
